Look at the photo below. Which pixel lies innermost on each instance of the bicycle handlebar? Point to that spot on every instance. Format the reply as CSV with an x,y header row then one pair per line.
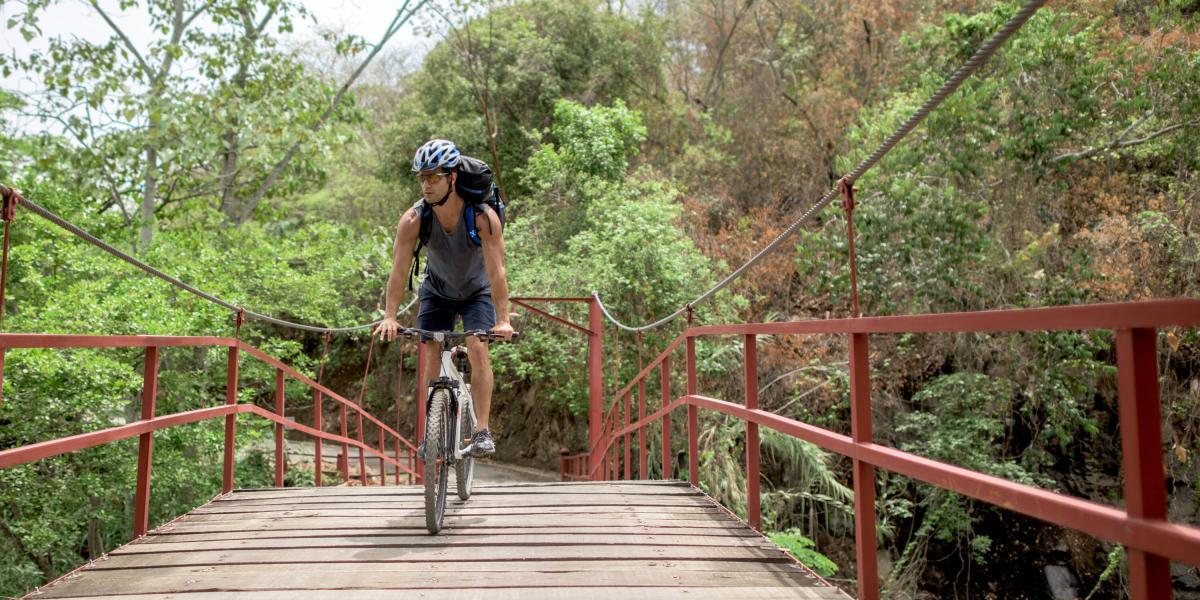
x,y
441,336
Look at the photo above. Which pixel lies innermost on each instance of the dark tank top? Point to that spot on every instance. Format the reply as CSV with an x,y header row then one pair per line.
x,y
454,267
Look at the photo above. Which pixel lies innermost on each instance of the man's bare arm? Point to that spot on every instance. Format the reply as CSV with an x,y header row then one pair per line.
x,y
407,232
492,235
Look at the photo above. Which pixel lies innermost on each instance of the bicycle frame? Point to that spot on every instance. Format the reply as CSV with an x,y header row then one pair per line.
x,y
451,379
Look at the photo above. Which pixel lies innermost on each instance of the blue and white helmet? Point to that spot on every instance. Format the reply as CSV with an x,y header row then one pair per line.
x,y
435,154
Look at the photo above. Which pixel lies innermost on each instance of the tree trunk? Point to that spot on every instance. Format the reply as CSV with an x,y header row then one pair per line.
x,y
150,195
229,164
95,544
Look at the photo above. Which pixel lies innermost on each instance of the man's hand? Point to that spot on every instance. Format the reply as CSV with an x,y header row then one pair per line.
x,y
503,328
387,328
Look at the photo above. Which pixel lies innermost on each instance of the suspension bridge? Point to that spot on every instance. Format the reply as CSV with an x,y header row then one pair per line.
x,y
606,530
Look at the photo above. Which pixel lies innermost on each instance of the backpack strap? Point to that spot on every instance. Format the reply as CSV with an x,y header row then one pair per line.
x,y
472,228
422,239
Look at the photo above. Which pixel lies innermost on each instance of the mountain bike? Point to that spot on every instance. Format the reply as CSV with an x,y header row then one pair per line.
x,y
450,414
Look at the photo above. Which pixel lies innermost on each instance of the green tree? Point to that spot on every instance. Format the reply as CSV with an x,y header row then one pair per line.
x,y
492,84
210,108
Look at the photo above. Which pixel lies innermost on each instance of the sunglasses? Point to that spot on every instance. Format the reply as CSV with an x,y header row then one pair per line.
x,y
431,177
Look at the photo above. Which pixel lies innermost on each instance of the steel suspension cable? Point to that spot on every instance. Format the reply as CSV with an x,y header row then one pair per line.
x,y
109,248
981,57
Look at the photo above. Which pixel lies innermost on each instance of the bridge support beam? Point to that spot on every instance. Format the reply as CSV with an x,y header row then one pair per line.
x,y
1142,454
864,473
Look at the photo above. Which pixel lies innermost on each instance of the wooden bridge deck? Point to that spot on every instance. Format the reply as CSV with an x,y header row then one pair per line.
x,y
560,540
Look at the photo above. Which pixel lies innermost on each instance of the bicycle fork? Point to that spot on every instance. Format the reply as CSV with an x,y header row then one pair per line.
x,y
457,451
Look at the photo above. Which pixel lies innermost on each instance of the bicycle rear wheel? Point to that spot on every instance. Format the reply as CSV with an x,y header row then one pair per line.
x,y
464,470
437,465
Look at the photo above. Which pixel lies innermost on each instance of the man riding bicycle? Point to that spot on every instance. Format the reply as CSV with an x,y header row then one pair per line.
x,y
461,278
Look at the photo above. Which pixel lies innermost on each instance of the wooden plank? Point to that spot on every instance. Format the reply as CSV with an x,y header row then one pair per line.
x,y
210,534
617,564
169,581
516,593
598,540
394,492
159,544
480,501
650,487
189,523
501,489
615,512
449,554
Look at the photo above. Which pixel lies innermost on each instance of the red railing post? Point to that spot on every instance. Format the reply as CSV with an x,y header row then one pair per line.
x,y
362,459
382,462
595,384
643,459
396,443
11,198
141,499
665,373
344,457
231,392
280,461
318,424
1142,454
753,501
628,438
864,473
319,415
422,396
643,463
8,212
603,451
399,402
693,412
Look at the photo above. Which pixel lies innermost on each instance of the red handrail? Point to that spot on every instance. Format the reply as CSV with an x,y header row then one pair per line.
x,y
1142,526
151,422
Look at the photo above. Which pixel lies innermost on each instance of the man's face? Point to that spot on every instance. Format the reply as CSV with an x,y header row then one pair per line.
x,y
434,184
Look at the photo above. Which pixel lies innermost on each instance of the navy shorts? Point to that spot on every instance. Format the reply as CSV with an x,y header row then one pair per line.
x,y
441,314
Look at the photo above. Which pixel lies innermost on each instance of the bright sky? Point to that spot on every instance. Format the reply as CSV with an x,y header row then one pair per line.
x,y
75,18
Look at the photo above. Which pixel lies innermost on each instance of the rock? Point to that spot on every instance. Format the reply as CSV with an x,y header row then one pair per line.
x,y
1062,583
1183,505
1185,576
883,562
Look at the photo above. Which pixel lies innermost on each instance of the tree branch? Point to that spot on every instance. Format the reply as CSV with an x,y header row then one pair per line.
x,y
402,17
124,39
113,193
717,74
1119,141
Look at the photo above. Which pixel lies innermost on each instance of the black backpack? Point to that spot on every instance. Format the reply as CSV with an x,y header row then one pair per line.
x,y
475,186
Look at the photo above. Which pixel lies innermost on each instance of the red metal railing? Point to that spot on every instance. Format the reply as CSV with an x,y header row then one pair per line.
x,y
1151,540
150,422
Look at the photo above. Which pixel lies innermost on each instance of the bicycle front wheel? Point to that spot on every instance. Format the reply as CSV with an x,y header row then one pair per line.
x,y
437,465
464,470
